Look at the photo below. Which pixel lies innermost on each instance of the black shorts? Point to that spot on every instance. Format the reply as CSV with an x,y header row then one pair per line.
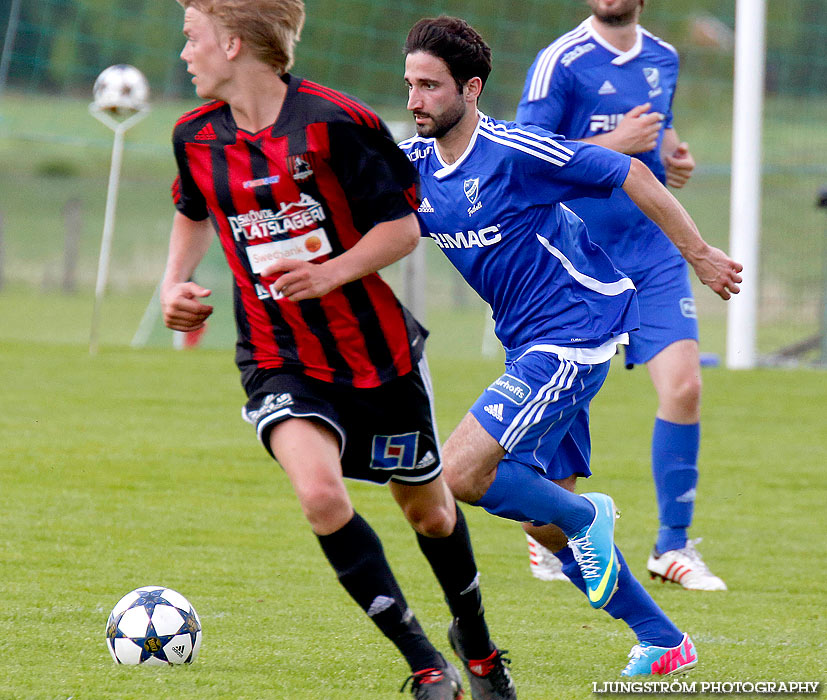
x,y
385,434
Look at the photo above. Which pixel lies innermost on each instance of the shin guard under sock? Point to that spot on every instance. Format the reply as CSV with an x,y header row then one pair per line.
x,y
357,557
452,560
520,493
675,471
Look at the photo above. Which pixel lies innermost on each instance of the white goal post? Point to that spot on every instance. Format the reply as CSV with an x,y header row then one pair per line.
x,y
745,204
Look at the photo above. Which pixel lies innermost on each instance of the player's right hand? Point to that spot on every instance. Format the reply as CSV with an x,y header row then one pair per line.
x,y
182,310
718,271
638,131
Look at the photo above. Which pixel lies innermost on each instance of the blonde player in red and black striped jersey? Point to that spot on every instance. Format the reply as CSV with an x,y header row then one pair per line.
x,y
310,197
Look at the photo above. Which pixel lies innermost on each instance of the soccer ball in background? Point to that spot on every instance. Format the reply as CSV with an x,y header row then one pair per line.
x,y
153,625
121,89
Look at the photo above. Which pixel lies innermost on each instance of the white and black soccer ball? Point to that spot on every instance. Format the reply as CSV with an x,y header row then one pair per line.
x,y
121,89
155,626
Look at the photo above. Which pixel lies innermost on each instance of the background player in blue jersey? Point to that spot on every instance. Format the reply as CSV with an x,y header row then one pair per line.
x,y
610,82
491,200
309,197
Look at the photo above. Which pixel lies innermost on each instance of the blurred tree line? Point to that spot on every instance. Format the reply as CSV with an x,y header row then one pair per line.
x,y
61,45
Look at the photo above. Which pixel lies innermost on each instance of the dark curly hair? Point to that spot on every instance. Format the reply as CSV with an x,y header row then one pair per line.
x,y
454,41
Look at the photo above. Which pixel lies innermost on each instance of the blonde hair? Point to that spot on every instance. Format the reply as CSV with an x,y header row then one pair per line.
x,y
270,28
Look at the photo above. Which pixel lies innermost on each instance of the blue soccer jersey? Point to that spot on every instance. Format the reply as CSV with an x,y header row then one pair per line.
x,y
581,86
496,214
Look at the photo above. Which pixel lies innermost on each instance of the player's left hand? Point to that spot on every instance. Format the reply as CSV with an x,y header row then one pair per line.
x,y
719,272
300,279
679,166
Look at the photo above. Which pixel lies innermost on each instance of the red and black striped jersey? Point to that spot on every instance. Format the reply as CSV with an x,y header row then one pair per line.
x,y
309,186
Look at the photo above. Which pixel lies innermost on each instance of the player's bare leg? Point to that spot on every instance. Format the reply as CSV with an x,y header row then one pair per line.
x,y
676,376
429,508
470,458
309,454
478,471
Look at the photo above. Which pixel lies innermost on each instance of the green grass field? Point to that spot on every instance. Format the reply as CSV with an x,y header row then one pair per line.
x,y
133,467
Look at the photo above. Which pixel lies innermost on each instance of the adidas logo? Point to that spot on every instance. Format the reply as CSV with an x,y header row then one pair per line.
x,y
425,207
380,604
495,410
477,668
687,497
427,460
179,650
207,133
606,89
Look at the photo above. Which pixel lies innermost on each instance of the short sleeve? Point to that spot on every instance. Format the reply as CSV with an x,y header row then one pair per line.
x,y
379,181
544,95
186,196
595,166
558,170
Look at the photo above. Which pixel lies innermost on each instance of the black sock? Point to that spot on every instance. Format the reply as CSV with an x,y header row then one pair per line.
x,y
452,560
357,557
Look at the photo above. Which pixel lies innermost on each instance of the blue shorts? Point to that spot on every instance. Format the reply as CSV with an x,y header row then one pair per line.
x,y
539,412
667,311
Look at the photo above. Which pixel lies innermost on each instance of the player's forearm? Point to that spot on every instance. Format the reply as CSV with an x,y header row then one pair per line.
x,y
188,244
610,140
660,206
383,245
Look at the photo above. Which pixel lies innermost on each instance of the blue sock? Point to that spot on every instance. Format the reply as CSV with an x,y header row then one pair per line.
x,y
631,603
675,470
520,493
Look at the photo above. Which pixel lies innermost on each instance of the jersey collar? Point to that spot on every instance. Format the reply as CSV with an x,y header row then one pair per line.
x,y
621,57
282,123
446,168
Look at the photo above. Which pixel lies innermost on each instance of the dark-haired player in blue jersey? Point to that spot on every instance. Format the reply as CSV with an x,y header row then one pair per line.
x,y
610,82
309,197
491,200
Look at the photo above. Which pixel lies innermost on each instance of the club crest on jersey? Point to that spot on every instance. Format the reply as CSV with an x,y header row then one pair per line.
x,y
300,167
652,76
471,187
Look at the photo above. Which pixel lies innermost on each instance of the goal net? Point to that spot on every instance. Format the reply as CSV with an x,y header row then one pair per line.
x,y
53,49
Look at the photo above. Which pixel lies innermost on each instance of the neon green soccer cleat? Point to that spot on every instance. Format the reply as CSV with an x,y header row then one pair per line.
x,y
594,550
